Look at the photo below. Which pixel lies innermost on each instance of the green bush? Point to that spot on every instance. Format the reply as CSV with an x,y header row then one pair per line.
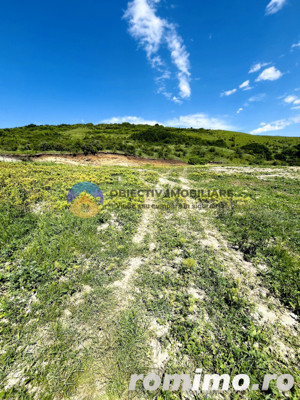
x,y
258,149
194,160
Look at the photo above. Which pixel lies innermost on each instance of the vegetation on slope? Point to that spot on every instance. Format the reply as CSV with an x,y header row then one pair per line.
x,y
195,146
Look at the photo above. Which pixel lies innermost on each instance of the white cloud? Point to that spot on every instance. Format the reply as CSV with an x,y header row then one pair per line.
x,y
273,126
276,125
152,32
228,93
199,121
176,100
295,45
274,6
245,85
291,99
257,67
258,97
180,58
239,110
269,74
132,120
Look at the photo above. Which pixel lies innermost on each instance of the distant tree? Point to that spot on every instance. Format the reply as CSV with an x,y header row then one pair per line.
x,y
44,146
258,149
238,152
280,156
220,143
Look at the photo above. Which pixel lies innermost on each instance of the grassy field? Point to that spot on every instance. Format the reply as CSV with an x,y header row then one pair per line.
x,y
152,283
195,146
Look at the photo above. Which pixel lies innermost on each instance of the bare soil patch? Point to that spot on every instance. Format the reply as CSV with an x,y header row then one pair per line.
x,y
265,172
105,159
9,159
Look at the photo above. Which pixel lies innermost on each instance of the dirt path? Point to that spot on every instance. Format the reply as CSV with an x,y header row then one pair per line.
x,y
243,270
124,291
125,286
268,309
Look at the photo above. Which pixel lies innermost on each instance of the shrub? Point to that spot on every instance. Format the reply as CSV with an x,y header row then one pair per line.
x,y
194,160
258,149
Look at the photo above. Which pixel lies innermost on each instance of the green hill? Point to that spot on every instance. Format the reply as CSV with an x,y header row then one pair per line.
x,y
196,146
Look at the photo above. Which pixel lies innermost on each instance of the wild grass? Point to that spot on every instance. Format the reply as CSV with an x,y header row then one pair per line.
x,y
68,332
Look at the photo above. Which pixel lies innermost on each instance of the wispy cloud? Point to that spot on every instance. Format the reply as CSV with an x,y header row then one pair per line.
x,y
273,126
293,100
269,74
245,85
276,125
257,67
199,120
130,119
152,32
257,97
253,99
274,6
290,99
228,92
295,46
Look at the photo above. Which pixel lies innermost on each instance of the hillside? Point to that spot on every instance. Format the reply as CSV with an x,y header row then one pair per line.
x,y
195,146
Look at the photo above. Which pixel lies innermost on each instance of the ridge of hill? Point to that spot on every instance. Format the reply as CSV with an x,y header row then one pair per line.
x,y
195,146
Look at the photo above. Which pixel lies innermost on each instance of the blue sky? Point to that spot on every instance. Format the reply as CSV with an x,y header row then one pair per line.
x,y
178,63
